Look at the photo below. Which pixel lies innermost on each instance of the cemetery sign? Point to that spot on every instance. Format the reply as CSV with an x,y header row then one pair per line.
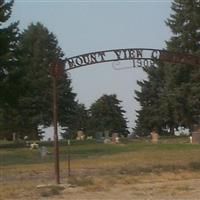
x,y
141,57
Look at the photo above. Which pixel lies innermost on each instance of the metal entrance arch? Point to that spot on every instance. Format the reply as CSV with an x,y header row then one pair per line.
x,y
141,57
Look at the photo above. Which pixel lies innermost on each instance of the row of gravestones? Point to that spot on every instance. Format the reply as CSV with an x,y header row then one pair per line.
x,y
193,139
100,137
105,137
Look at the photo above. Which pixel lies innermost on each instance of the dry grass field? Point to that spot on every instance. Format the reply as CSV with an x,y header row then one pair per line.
x,y
134,170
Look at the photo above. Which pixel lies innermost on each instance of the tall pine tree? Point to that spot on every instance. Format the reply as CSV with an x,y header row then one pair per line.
x,y
39,48
78,120
107,115
179,89
10,72
184,23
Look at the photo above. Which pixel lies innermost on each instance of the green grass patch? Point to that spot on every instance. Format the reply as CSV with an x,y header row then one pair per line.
x,y
77,151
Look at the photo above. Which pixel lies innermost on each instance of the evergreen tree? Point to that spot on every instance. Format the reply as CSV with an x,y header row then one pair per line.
x,y
8,55
39,48
185,25
79,120
178,90
10,71
150,115
107,115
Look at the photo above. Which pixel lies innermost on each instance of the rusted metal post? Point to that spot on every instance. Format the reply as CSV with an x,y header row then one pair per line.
x,y
56,72
69,157
55,124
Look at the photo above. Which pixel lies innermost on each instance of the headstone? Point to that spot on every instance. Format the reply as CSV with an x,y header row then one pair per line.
x,y
154,137
190,139
14,136
89,137
115,138
196,134
106,134
196,138
107,141
43,151
80,135
34,146
98,136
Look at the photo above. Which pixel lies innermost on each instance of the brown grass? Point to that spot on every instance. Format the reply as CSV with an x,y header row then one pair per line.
x,y
97,174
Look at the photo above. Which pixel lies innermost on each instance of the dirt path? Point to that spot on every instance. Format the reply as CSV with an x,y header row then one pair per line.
x,y
159,190
109,183
183,185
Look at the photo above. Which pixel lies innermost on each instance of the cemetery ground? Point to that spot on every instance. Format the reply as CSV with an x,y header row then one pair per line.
x,y
130,170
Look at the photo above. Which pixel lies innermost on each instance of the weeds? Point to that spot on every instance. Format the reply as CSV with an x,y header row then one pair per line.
x,y
96,167
195,166
51,190
80,181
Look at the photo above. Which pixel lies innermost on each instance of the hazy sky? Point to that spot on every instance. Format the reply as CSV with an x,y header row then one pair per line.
x,y
86,26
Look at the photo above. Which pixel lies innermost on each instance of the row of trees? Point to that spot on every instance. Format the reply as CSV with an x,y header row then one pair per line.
x,y
170,97
26,86
104,115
